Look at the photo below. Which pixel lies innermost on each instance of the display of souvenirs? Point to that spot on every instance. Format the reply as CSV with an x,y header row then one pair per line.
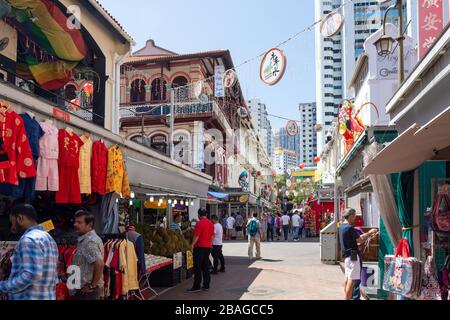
x,y
155,262
430,283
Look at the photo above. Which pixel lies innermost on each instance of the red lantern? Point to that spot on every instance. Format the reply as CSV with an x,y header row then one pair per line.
x,y
259,173
88,88
317,159
302,166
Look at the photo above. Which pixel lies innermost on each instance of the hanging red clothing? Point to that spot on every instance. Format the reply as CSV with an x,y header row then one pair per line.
x,y
17,160
69,162
99,164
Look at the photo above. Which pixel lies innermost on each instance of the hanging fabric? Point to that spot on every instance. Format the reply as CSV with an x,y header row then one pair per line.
x,y
405,204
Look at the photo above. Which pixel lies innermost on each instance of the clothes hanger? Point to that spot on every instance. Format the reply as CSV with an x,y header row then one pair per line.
x,y
69,130
31,114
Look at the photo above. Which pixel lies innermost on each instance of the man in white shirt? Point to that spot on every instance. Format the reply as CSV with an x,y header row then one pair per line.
x,y
239,227
230,226
286,220
217,246
296,225
254,236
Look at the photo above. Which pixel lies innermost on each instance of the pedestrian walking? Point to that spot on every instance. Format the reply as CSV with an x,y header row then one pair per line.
x,y
278,226
89,258
224,226
217,247
231,221
34,263
254,236
286,220
296,225
270,227
350,240
201,247
264,227
239,226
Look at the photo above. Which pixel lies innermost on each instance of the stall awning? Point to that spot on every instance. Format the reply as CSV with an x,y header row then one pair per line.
x,y
218,195
414,147
157,179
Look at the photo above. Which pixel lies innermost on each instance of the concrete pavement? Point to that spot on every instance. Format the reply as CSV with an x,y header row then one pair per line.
x,y
288,271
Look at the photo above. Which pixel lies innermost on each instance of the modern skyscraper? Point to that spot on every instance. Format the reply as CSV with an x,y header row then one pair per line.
x,y
284,159
336,56
284,141
261,123
308,140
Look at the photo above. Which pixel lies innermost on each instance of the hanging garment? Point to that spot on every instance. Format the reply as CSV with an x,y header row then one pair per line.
x,y
117,177
430,283
69,162
34,133
99,166
84,171
128,267
47,169
138,242
16,158
110,213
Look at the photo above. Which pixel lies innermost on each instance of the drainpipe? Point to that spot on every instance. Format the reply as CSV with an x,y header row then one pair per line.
x,y
116,94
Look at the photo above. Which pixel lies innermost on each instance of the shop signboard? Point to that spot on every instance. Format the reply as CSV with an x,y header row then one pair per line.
x,y
177,260
61,115
273,66
431,24
219,90
200,147
237,199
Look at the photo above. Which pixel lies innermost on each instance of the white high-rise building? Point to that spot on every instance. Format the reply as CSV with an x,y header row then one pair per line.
x,y
329,82
261,123
336,56
284,159
308,137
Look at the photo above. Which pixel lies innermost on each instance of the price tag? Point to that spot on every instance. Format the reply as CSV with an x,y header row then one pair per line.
x,y
48,225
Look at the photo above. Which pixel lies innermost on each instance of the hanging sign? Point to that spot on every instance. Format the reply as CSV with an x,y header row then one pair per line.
x,y
273,66
288,183
61,115
177,260
219,90
292,128
431,24
331,24
229,79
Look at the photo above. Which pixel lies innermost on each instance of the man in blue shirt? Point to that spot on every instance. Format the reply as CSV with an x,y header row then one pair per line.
x,y
34,263
350,241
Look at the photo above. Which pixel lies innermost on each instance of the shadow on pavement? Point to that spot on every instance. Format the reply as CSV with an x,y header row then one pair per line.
x,y
231,285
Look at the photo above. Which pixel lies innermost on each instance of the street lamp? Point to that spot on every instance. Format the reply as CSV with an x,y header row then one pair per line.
x,y
385,43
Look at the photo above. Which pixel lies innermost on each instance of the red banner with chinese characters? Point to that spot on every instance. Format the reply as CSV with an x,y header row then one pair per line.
x,y
431,24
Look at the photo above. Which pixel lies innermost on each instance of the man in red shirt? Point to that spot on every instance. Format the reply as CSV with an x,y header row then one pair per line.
x,y
202,246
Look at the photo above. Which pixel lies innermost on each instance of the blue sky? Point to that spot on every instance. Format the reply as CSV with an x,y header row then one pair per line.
x,y
246,27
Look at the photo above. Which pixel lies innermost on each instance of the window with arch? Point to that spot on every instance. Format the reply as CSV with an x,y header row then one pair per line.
x,y
182,147
70,92
159,143
141,140
137,91
182,93
159,90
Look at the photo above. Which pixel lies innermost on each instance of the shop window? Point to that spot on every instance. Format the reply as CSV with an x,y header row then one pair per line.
x,y
137,91
159,90
141,140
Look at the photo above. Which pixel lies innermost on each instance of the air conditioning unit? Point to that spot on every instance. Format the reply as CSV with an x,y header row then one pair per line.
x,y
8,42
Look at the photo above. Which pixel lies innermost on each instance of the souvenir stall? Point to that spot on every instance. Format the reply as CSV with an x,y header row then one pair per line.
x,y
60,170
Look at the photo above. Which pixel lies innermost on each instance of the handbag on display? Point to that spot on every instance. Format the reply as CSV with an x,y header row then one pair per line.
x,y
431,289
441,211
403,274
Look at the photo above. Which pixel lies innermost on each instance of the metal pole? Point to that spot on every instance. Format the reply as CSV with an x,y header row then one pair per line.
x,y
172,123
400,40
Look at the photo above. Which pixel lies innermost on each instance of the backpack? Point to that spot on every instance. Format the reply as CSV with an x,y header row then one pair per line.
x,y
440,215
253,228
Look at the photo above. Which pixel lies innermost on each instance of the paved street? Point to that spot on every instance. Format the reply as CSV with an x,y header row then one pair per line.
x,y
288,271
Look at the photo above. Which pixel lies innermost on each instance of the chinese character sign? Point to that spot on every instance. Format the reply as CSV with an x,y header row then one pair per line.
x,y
219,88
431,24
272,67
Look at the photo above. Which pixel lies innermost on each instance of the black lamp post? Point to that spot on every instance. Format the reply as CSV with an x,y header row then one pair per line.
x,y
385,43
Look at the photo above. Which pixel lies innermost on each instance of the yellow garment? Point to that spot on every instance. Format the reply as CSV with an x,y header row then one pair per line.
x,y
84,172
129,267
117,177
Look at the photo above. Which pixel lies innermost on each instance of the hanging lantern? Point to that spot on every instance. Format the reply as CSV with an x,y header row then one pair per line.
x,y
302,166
317,159
259,173
88,89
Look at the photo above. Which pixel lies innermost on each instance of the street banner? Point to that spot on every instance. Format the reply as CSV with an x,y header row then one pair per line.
x,y
431,24
218,79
